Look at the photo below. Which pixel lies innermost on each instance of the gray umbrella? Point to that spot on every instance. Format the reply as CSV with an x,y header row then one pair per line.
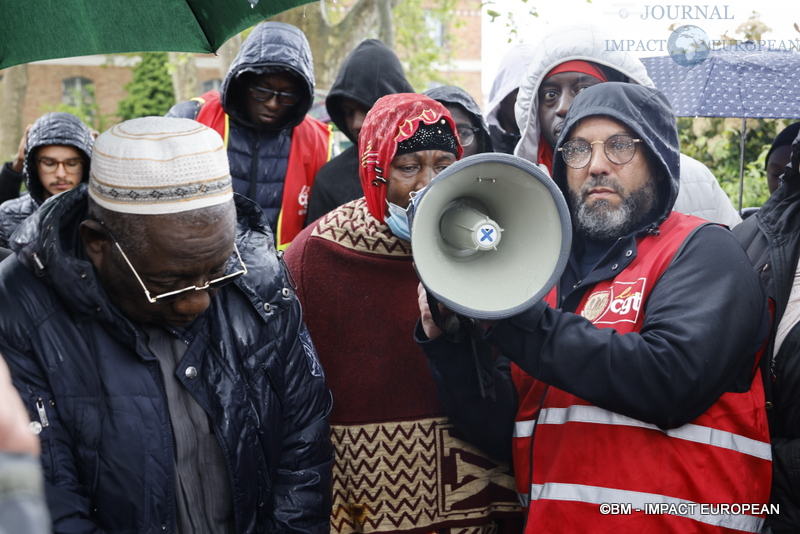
x,y
743,80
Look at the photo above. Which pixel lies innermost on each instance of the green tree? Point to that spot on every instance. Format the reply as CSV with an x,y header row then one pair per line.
x,y
716,142
334,28
423,40
508,17
150,92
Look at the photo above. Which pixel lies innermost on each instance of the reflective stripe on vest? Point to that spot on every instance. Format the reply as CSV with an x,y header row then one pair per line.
x,y
689,432
558,436
640,503
524,429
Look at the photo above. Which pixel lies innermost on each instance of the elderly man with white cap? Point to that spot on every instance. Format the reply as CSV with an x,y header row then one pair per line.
x,y
157,343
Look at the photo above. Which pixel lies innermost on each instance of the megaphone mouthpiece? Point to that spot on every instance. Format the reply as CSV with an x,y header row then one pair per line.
x,y
466,226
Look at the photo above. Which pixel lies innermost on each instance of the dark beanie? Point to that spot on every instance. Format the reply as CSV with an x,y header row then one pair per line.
x,y
436,136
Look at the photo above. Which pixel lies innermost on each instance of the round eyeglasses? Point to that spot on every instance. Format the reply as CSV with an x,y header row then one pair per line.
x,y
265,95
467,134
619,149
50,165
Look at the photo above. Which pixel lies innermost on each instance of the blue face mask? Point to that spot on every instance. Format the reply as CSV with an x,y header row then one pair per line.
x,y
397,220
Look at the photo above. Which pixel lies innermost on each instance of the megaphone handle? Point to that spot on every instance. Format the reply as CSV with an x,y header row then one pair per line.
x,y
482,356
433,304
455,328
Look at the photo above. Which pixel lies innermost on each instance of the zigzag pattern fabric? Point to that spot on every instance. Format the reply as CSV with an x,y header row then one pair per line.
x,y
399,465
412,475
352,226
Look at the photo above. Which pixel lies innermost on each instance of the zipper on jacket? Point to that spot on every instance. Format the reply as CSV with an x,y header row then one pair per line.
x,y
42,414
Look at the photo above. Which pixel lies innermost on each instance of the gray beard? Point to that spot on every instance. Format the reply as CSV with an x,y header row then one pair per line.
x,y
601,221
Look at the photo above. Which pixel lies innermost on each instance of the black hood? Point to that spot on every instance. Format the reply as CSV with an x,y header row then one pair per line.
x,y
271,47
791,173
450,94
648,113
55,129
779,213
370,72
785,138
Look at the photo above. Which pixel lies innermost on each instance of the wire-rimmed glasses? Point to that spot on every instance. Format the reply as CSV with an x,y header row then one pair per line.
x,y
619,149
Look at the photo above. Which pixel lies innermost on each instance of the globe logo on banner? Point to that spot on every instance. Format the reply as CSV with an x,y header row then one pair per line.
x,y
688,46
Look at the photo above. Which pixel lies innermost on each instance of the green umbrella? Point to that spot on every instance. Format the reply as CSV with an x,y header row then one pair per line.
x,y
32,30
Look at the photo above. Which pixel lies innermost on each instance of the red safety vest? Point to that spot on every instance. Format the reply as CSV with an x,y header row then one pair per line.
x,y
311,148
599,471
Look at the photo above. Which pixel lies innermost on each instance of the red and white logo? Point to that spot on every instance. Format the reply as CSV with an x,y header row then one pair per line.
x,y
302,198
624,303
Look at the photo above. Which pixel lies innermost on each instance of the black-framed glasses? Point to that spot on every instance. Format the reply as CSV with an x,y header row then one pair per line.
x,y
467,134
50,165
172,295
619,149
265,95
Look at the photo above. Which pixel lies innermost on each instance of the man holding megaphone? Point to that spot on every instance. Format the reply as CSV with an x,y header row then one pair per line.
x,y
630,398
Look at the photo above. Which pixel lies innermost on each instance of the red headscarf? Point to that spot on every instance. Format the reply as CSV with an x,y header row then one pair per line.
x,y
393,118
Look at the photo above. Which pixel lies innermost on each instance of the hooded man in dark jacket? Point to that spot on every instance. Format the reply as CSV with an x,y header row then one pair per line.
x,y
160,351
57,153
635,381
772,240
275,149
473,134
370,72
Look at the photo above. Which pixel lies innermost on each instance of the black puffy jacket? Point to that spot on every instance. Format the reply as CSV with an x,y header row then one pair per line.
x,y
54,128
86,375
259,157
772,241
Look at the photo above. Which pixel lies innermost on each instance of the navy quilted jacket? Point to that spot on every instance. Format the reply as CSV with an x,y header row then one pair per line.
x,y
88,379
259,157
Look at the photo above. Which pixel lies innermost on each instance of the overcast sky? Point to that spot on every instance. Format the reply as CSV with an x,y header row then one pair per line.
x,y
622,19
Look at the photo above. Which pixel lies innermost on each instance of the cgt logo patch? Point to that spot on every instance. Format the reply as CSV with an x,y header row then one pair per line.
x,y
302,199
619,304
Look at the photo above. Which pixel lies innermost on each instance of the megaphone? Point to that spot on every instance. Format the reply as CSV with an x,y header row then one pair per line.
x,y
490,235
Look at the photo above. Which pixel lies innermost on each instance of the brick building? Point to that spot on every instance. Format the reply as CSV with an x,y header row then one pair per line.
x,y
465,69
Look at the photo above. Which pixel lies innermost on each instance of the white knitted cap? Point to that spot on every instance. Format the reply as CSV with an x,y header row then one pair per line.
x,y
157,165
